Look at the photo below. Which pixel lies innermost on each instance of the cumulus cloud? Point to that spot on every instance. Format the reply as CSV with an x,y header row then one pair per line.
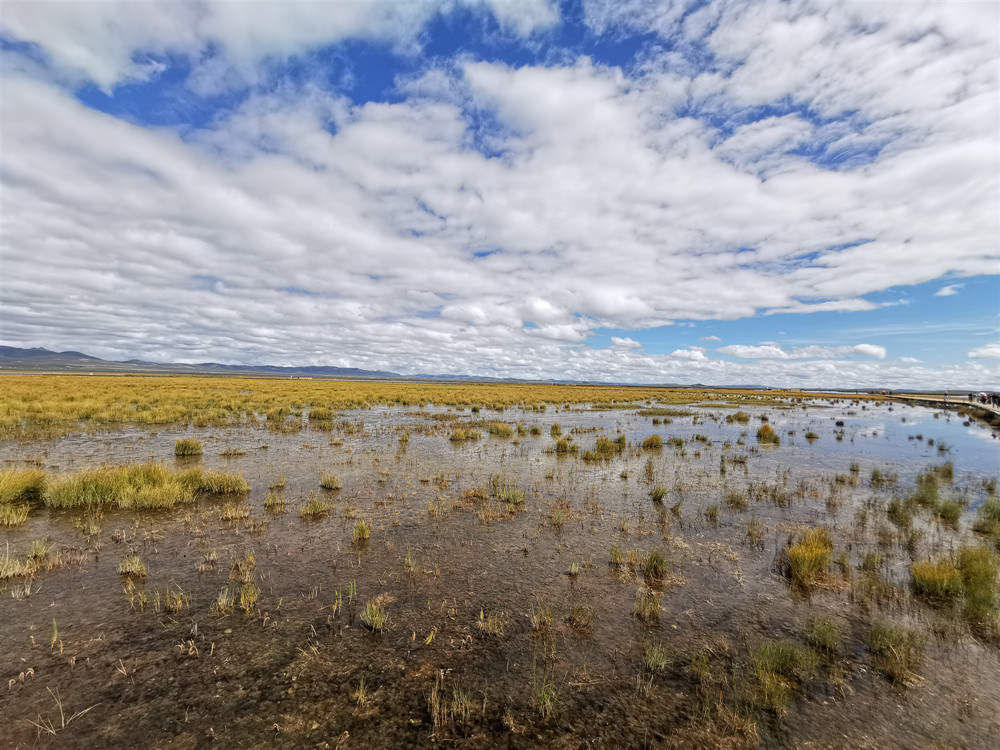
x,y
986,351
710,338
488,219
774,351
692,354
625,343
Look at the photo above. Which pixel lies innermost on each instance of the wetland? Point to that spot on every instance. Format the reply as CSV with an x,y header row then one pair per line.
x,y
235,562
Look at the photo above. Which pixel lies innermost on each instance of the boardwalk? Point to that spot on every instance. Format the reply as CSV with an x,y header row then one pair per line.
x,y
941,401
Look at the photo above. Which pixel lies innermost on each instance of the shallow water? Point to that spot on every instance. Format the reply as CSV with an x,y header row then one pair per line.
x,y
288,674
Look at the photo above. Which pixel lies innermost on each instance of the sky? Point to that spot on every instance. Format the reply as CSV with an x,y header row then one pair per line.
x,y
793,194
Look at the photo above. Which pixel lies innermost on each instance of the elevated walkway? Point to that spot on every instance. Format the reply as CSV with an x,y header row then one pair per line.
x,y
941,401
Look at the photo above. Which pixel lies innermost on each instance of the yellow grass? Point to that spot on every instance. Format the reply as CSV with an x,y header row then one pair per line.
x,y
809,558
45,405
138,487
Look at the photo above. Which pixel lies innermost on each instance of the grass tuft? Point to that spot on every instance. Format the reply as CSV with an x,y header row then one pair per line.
x,y
314,508
362,531
767,436
809,558
653,443
937,580
897,651
330,481
22,486
132,566
647,606
187,447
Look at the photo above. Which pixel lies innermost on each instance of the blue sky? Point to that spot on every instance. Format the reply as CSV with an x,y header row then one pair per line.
x,y
788,193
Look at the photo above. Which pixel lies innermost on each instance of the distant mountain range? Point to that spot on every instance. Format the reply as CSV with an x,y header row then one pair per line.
x,y
13,358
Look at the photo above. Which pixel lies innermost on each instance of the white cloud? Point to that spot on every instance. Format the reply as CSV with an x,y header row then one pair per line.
x,y
625,343
710,338
948,291
404,235
693,354
770,350
106,42
987,351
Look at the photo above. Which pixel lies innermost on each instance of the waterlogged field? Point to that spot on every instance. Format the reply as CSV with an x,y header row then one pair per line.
x,y
300,564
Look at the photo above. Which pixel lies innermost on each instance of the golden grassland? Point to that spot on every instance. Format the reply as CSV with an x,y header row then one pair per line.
x,y
40,406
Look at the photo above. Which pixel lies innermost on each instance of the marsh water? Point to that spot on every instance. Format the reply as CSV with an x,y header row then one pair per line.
x,y
461,661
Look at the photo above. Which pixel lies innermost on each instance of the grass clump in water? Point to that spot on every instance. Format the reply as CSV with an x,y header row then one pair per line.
x,y
809,558
653,443
249,594
13,514
605,449
275,501
313,509
656,657
948,513
979,569
767,436
490,624
824,636
988,520
187,447
655,566
897,651
541,618
616,558
506,491
330,481
735,499
564,447
362,531
22,486
647,606
936,580
148,486
775,663
658,493
132,566
501,430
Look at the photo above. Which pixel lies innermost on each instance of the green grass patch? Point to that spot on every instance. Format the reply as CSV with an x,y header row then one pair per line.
x,y
809,558
936,580
652,443
897,651
139,487
187,447
19,486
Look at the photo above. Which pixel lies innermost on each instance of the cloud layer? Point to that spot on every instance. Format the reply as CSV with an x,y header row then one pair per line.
x,y
489,219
